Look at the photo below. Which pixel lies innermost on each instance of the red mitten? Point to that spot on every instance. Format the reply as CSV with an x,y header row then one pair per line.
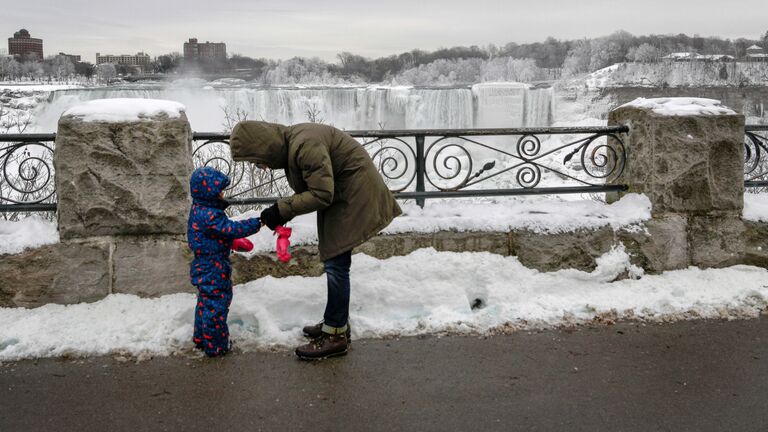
x,y
242,245
283,242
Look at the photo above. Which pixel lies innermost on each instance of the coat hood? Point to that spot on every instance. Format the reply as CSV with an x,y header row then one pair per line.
x,y
205,184
261,143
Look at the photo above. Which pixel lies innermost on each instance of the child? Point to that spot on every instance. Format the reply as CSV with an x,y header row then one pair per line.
x,y
210,235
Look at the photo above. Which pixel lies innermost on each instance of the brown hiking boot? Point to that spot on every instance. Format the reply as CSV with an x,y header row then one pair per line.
x,y
316,330
324,346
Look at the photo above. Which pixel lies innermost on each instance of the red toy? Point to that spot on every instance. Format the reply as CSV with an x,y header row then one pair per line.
x,y
283,241
242,245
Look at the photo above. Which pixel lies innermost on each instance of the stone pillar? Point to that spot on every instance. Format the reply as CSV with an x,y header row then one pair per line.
x,y
687,156
122,177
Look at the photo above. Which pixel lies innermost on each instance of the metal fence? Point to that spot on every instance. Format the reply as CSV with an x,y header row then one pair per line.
x,y
415,164
428,164
756,156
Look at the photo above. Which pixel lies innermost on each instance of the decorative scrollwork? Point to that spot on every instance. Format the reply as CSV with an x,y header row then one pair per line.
x,y
755,163
395,161
27,173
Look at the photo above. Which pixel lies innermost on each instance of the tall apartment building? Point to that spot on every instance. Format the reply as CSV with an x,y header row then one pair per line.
x,y
24,46
72,57
194,50
140,60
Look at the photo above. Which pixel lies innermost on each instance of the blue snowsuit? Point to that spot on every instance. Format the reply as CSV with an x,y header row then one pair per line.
x,y
210,235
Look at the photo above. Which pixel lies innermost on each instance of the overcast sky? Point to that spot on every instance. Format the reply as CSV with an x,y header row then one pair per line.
x,y
283,29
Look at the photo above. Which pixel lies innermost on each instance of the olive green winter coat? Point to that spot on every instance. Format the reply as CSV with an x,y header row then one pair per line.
x,y
330,172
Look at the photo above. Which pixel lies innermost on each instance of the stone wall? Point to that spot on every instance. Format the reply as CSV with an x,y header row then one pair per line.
x,y
124,200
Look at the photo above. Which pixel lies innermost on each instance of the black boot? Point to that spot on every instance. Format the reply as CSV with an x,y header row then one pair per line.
x,y
315,330
324,346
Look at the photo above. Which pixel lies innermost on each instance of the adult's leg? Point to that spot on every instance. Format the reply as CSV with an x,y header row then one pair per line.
x,y
337,306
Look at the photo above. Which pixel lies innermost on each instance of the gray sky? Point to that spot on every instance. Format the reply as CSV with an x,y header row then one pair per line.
x,y
285,29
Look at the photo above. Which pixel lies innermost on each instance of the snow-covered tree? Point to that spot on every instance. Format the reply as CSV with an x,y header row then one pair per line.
x,y
645,53
106,72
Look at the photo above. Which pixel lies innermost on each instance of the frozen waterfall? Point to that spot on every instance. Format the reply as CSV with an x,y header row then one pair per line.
x,y
374,107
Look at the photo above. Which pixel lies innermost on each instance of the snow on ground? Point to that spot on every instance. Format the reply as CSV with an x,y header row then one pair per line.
x,y
31,232
424,292
681,106
538,214
755,207
124,109
36,87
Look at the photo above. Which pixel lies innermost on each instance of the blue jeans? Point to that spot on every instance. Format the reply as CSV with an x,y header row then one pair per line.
x,y
337,307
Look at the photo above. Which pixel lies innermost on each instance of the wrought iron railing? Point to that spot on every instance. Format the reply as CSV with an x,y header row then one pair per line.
x,y
416,164
424,164
26,172
756,156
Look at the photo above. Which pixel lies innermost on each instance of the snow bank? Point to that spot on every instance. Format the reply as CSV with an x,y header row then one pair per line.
x,y
425,292
31,232
679,106
34,87
124,109
539,214
755,207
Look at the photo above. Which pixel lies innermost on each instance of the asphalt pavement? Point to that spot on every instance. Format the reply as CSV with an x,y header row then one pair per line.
x,y
686,376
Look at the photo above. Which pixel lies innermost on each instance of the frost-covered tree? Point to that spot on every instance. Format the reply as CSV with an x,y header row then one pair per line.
x,y
645,53
9,68
62,68
579,59
106,72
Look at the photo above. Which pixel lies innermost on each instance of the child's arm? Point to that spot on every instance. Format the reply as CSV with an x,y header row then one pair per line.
x,y
229,229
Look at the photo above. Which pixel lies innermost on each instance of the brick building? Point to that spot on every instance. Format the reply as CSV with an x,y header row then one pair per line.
x,y
72,57
140,60
23,46
194,50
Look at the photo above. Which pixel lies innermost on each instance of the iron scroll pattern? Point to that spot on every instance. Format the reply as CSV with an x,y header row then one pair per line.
x,y
755,155
26,168
453,163
449,162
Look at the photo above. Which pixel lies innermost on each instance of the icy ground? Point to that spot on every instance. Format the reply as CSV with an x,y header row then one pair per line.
x,y
424,292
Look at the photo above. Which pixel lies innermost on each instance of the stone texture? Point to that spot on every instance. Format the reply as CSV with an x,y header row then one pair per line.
x,y
305,262
59,273
497,243
661,246
684,164
122,178
756,243
716,240
386,246
550,252
151,266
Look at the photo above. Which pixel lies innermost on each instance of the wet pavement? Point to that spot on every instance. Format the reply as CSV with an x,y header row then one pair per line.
x,y
687,376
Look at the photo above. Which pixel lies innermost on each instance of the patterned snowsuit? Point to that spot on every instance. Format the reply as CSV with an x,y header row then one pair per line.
x,y
210,235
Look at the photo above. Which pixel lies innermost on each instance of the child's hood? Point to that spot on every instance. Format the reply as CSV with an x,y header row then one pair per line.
x,y
205,185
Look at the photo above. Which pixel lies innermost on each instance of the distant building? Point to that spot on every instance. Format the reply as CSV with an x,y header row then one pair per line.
x,y
140,60
22,45
692,56
73,58
756,54
680,57
194,50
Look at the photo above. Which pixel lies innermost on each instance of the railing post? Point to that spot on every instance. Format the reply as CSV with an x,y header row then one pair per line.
x,y
420,168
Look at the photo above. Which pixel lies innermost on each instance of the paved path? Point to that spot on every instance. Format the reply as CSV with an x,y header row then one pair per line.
x,y
690,376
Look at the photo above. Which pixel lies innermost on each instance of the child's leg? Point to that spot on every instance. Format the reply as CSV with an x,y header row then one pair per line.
x,y
216,301
197,337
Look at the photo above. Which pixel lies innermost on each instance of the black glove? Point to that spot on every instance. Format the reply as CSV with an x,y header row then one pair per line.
x,y
271,217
